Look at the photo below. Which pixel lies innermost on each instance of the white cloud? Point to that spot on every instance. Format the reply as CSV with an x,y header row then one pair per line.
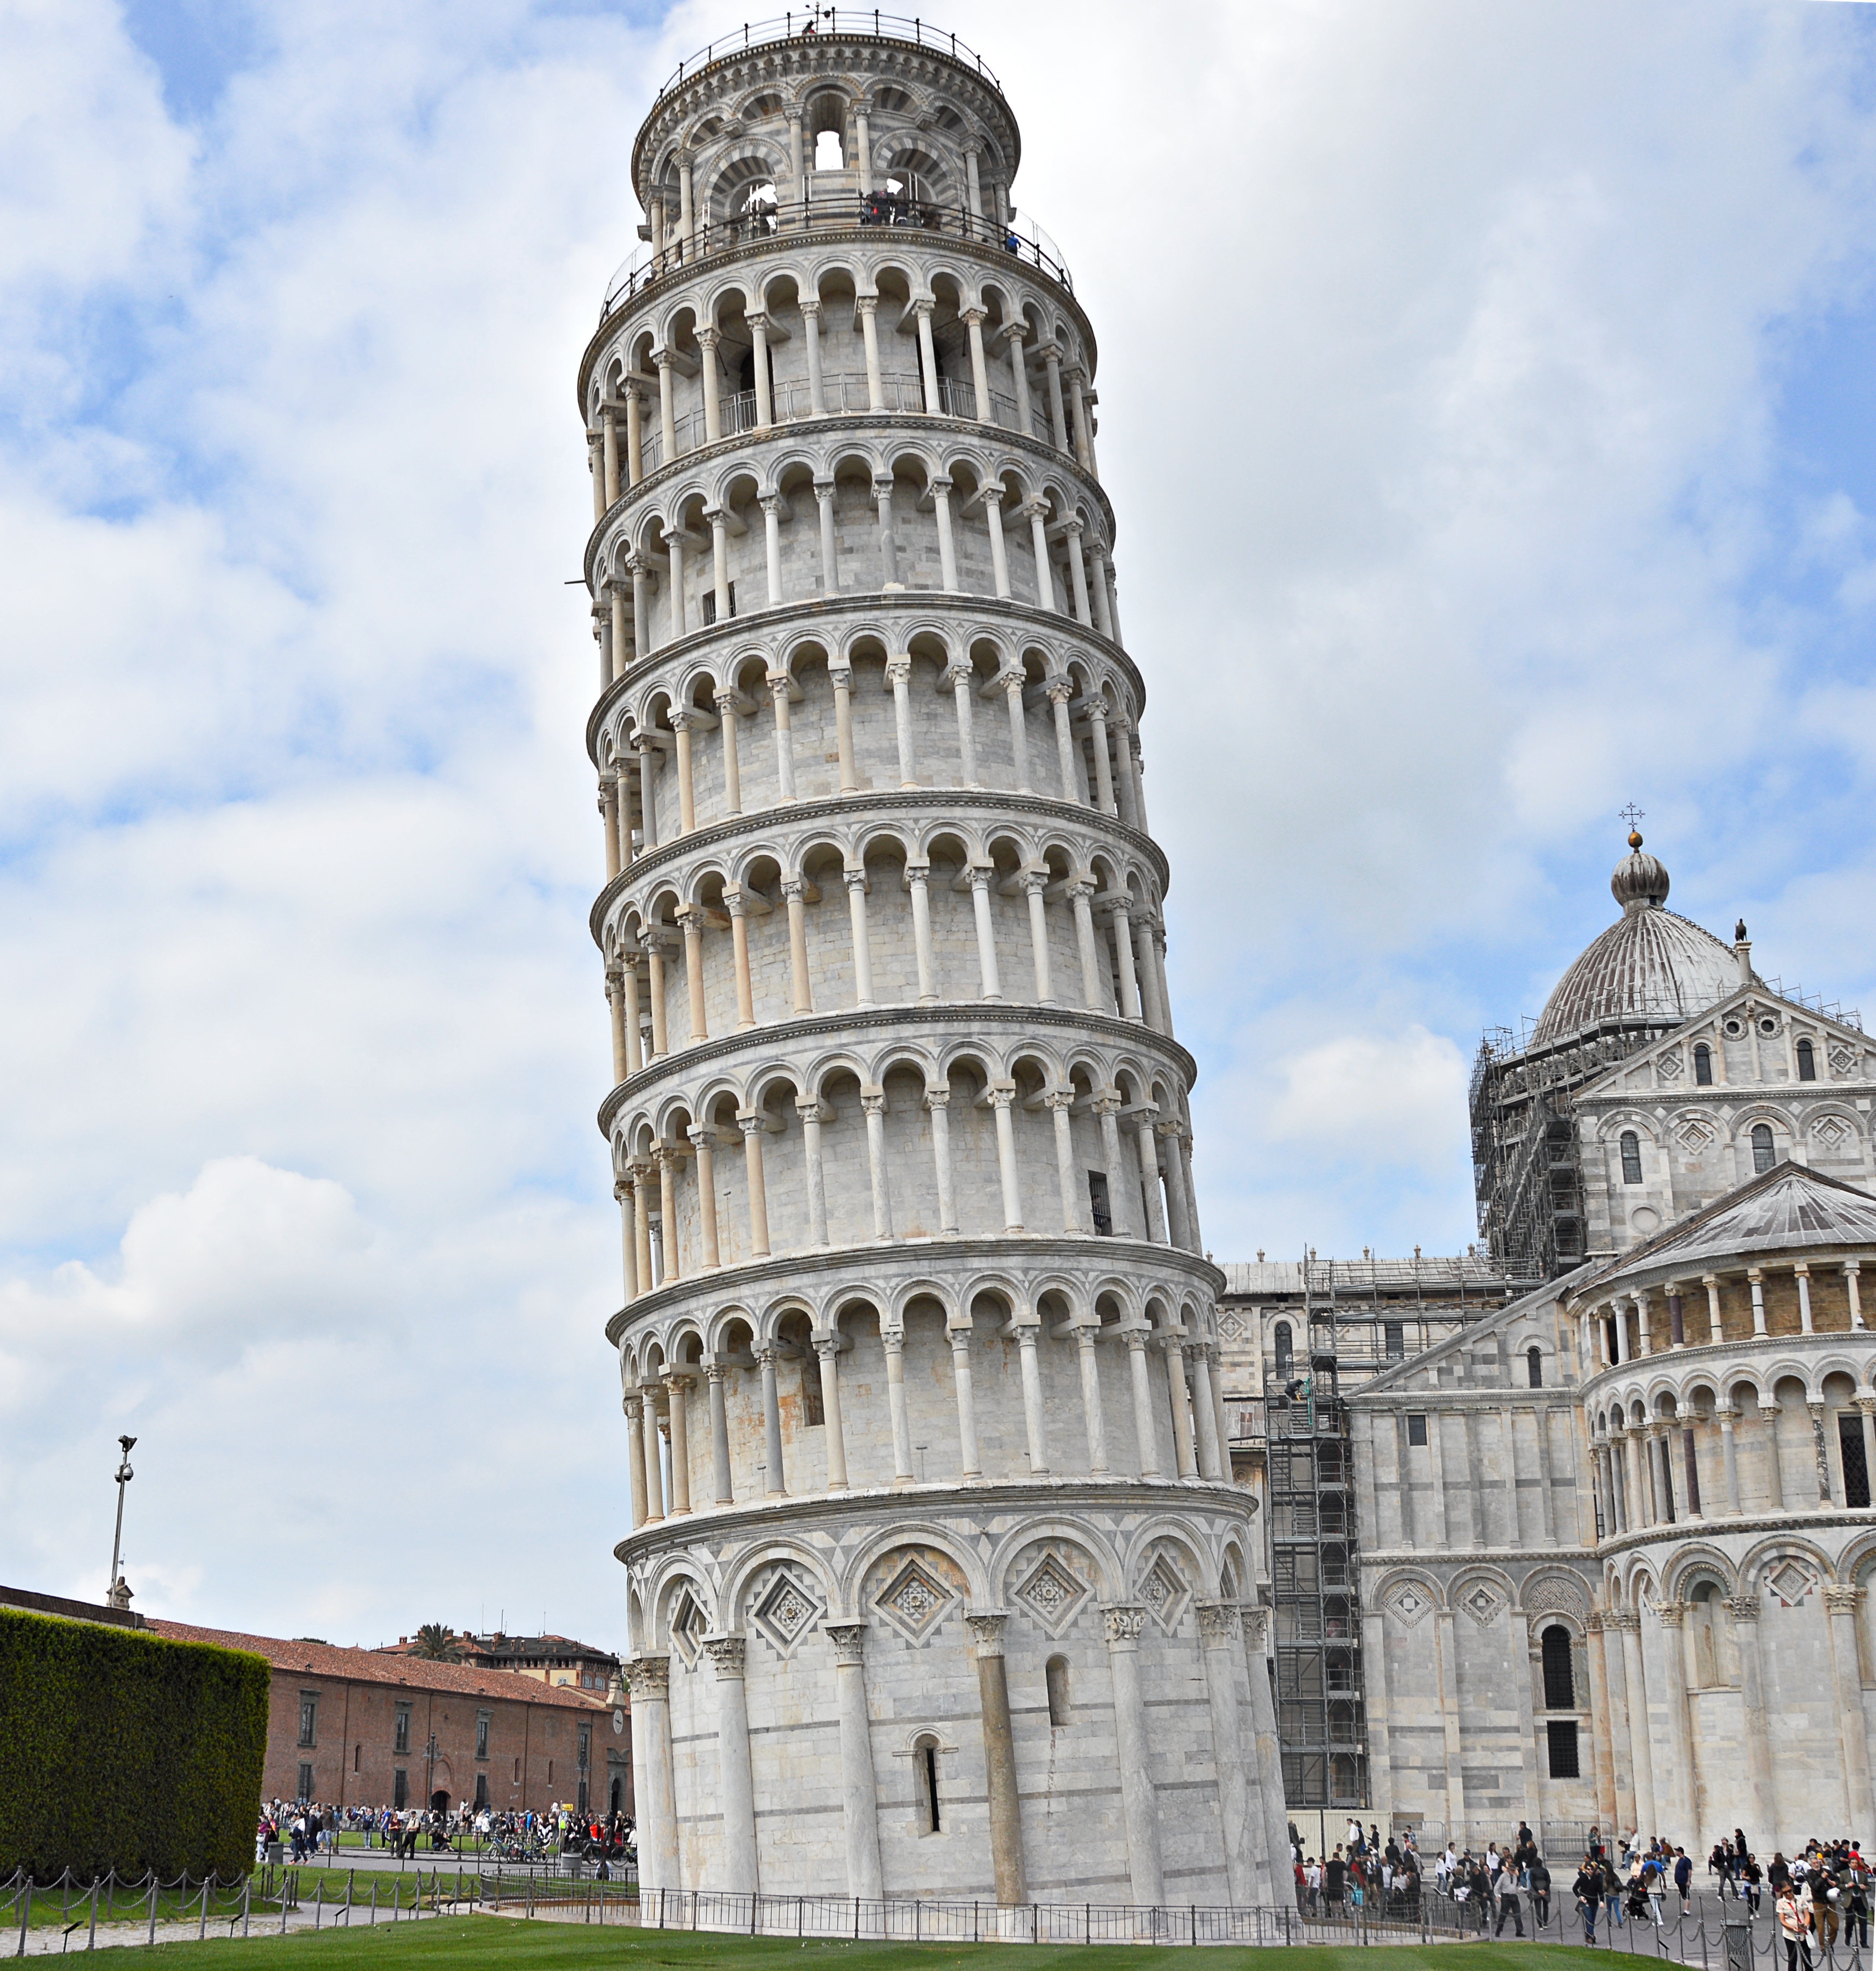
x,y
1445,353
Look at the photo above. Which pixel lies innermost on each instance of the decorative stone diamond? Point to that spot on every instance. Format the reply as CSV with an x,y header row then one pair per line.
x,y
1842,1061
786,1612
687,1627
1789,1582
1230,1328
914,1600
1481,1604
1831,1132
1667,1069
1695,1135
1409,1604
1052,1594
1163,1592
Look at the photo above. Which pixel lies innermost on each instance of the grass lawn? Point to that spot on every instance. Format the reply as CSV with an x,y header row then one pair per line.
x,y
501,1940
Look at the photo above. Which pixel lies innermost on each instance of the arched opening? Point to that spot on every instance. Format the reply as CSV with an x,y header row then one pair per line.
x,y
1285,1343
1807,1062
439,1800
616,1798
1762,1155
1560,1689
1534,1366
828,156
1055,1674
925,1753
1631,1156
1702,1611
1703,1066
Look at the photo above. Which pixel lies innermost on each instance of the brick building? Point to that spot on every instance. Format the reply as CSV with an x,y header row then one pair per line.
x,y
352,1728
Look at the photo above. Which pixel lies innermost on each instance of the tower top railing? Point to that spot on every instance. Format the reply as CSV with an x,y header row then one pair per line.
x,y
814,23
1021,238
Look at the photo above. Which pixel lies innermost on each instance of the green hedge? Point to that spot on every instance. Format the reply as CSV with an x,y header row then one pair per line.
x,y
123,1749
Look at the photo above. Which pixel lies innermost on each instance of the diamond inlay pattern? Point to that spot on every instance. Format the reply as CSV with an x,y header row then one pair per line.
x,y
1164,1593
1052,1594
914,1600
786,1612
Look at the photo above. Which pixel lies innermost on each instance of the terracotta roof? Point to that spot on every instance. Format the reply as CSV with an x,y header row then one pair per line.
x,y
370,1666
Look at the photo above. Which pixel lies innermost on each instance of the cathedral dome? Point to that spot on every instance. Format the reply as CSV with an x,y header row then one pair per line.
x,y
1649,964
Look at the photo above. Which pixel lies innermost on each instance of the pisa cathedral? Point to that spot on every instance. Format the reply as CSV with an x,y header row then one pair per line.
x,y
948,1572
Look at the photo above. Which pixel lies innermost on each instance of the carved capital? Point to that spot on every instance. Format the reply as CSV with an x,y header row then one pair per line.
x,y
849,1639
1124,1621
987,1633
726,1653
873,1102
855,880
1743,1608
1219,1623
1672,1614
1841,1598
649,1678
1059,1101
752,1122
937,1098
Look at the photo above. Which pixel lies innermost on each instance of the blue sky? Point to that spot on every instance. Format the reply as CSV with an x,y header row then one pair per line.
x,y
1487,402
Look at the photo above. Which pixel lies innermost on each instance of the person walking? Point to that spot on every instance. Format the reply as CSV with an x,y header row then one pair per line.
x,y
1750,1877
1588,1891
1508,1903
1856,1902
1538,1878
1683,1877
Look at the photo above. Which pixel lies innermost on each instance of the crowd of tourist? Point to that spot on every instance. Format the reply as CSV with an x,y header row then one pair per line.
x,y
305,1830
1825,1890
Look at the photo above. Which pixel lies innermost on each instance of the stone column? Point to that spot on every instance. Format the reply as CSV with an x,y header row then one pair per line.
x,y
973,319
1077,573
1060,691
961,678
730,706
999,1758
1715,1327
1051,359
765,398
841,677
716,1374
737,905
873,1103
666,1157
1621,1740
1150,1175
889,539
866,309
1866,1403
856,882
1171,1133
780,685
736,1783
1014,683
1641,1749
1607,1812
992,499
668,408
652,1783
794,894
1851,1268
691,922
938,1105
1841,1601
1123,954
753,1123
1145,1438
1821,1453
635,440
1019,377
1762,1832
1033,1421
1003,1096
948,542
1087,1333
1084,438
829,548
1058,1102
988,975
808,1108
1107,1113
860,1800
1270,1757
703,1142
817,396
828,1347
893,1341
771,545
1682,1788
959,1339
635,1459
641,620
1205,1411
1222,1652
1104,607
771,1419
719,518
928,358
1184,1448
677,1394
641,1223
1037,511
1080,893
1801,1272
1755,1279
1139,1808
1727,1416
1690,1460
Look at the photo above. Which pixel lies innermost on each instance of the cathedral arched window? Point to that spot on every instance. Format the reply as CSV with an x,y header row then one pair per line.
x,y
925,1753
1703,1066
1281,1336
1534,1365
1631,1156
1560,1684
1807,1062
1763,1157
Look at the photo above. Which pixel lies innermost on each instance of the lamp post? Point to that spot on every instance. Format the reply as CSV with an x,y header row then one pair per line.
x,y
125,1475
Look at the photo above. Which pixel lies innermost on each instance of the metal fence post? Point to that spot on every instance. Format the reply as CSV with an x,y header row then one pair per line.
x,y
201,1930
152,1938
26,1912
91,1941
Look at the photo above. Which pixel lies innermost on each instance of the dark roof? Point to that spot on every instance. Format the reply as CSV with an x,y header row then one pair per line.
x,y
374,1666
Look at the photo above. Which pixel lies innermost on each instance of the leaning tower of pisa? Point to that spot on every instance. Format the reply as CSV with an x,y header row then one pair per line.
x,y
937,1582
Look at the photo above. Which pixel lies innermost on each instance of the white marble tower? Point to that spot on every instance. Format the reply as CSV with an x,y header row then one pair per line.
x,y
937,1581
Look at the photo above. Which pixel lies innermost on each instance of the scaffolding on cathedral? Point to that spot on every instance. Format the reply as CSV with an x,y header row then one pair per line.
x,y
1358,1319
